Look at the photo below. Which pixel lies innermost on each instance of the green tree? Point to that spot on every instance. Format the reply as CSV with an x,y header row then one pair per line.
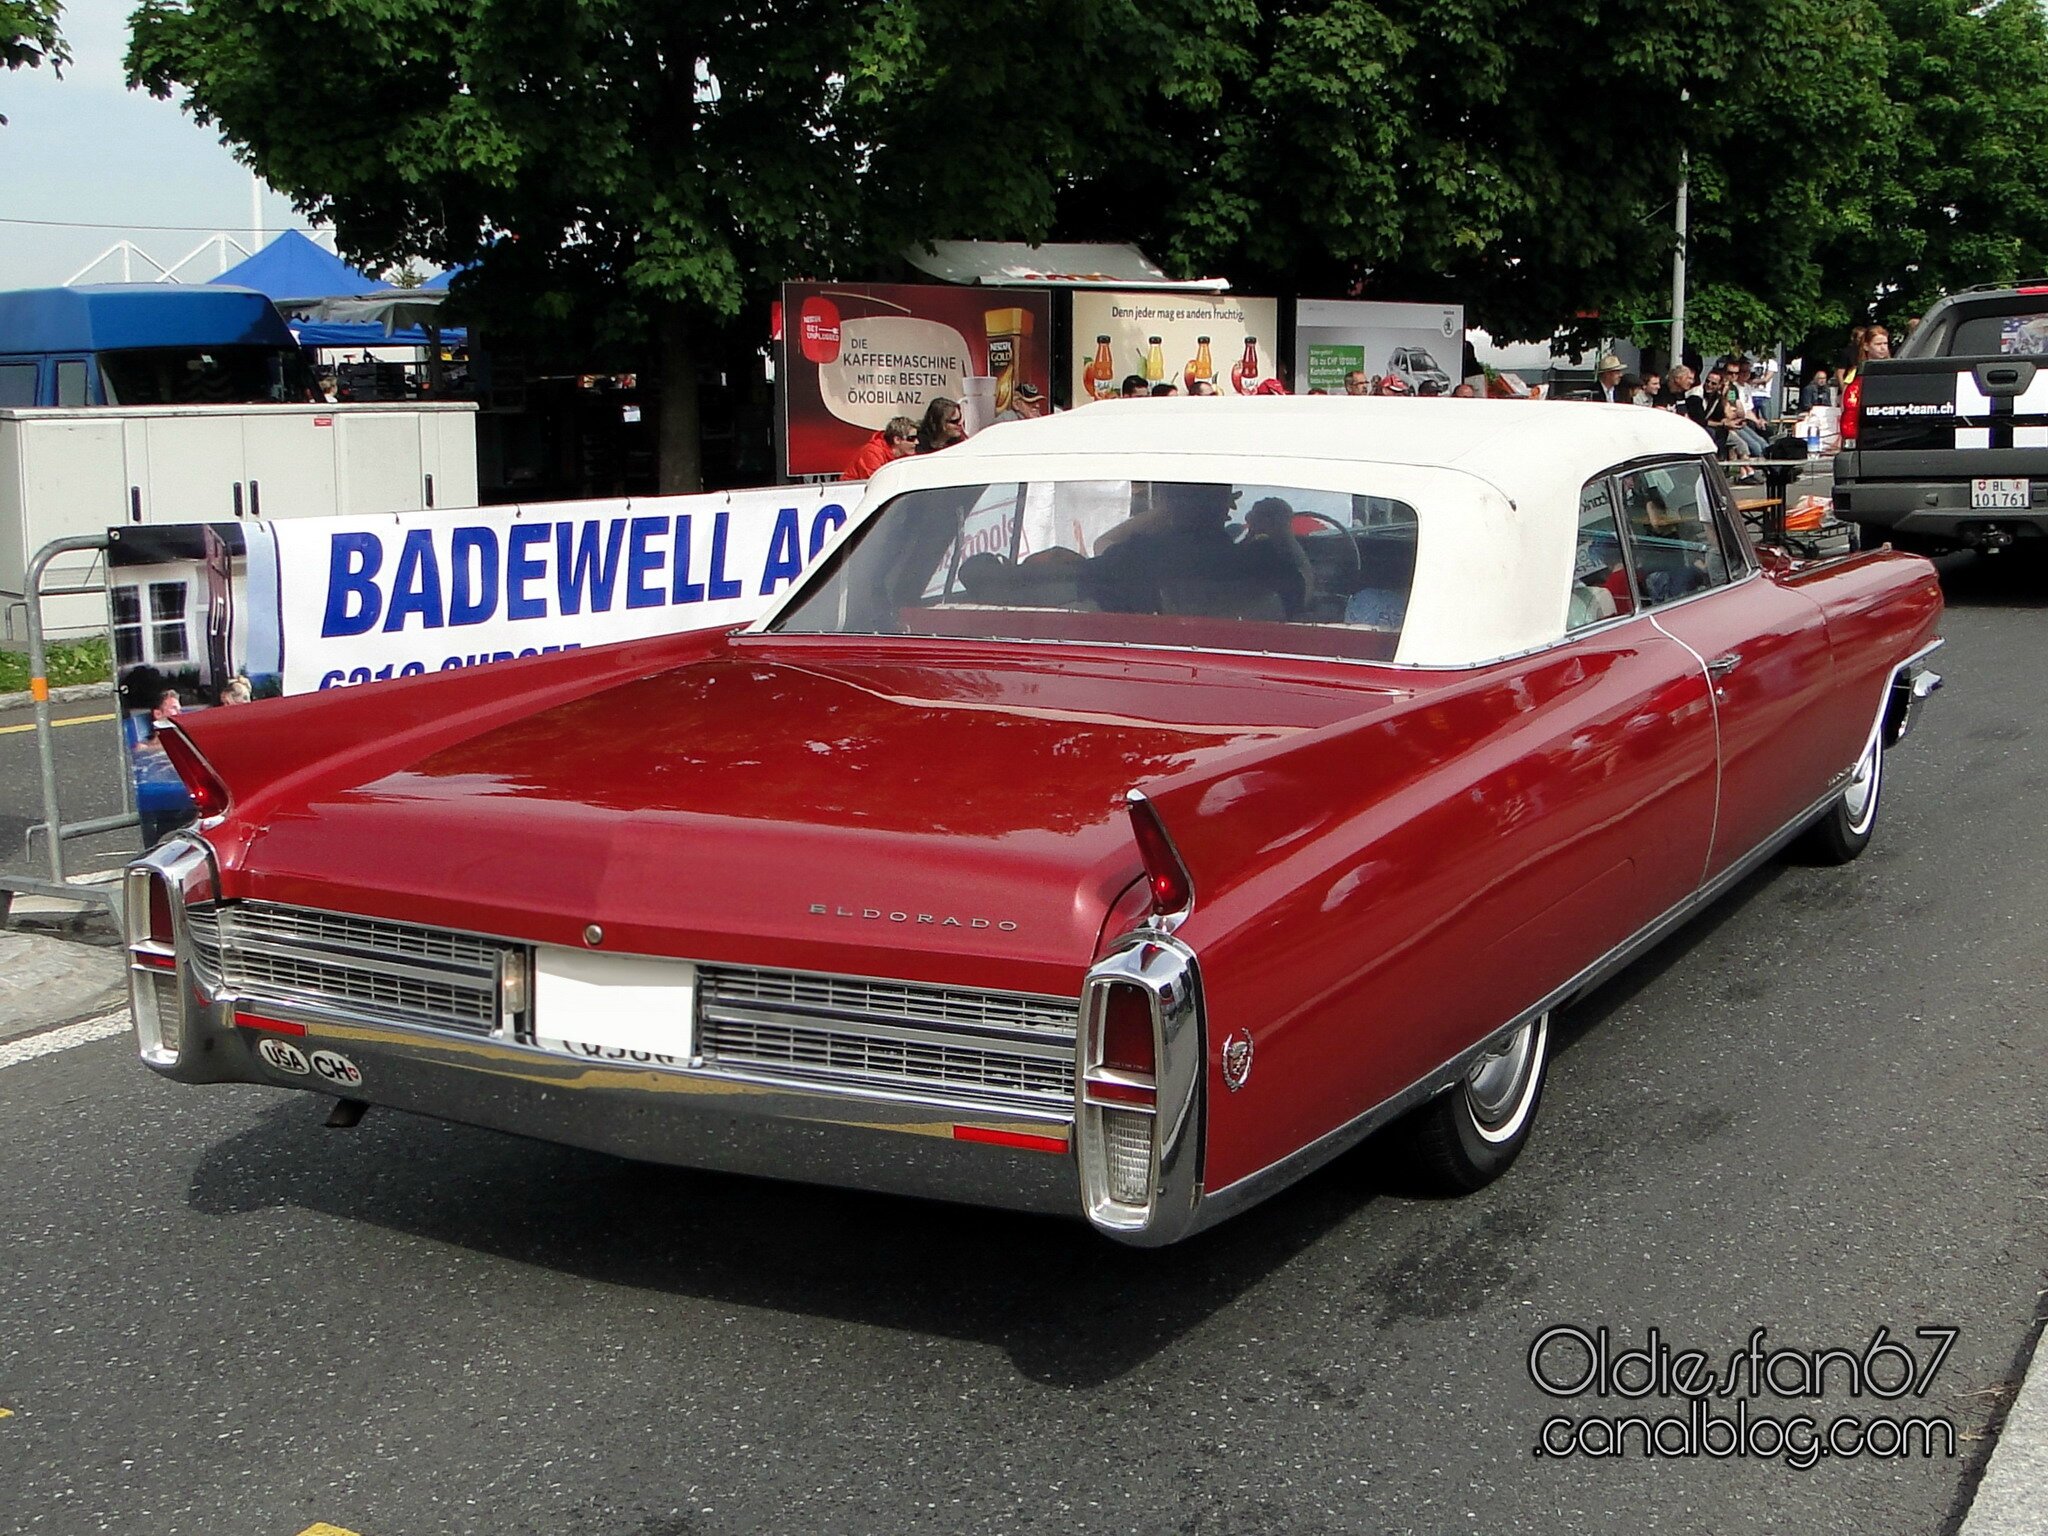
x,y
1517,156
29,36
637,170
1958,191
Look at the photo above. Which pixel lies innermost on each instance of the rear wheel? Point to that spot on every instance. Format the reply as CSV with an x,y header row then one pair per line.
x,y
1844,829
1466,1138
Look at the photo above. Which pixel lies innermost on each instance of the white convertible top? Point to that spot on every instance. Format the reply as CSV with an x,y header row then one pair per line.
x,y
1495,482
1498,440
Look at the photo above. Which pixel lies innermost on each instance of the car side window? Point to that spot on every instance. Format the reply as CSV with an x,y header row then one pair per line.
x,y
71,382
1600,584
1675,539
1735,537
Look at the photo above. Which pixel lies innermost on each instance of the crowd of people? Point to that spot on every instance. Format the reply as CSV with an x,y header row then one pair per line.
x,y
1734,399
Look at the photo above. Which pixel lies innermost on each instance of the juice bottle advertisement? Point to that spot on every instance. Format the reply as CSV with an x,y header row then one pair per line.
x,y
1180,339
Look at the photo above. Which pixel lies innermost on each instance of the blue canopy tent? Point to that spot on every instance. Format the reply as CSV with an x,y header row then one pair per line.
x,y
292,268
368,333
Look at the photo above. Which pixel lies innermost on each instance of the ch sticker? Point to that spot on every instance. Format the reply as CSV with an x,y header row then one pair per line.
x,y
337,1069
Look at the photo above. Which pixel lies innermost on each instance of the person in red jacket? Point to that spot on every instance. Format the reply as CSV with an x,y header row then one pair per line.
x,y
897,440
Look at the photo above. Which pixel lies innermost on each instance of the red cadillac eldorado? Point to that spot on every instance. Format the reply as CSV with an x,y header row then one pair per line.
x,y
1132,810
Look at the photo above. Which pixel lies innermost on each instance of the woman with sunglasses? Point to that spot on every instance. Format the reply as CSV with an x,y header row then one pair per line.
x,y
942,426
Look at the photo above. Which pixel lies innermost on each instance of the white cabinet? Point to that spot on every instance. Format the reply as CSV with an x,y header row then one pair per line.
x,y
194,470
288,464
65,472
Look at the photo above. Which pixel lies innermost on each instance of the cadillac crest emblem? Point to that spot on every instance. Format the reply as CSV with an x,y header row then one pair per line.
x,y
1237,1058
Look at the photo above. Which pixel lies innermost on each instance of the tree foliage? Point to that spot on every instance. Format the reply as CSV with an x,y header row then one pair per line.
x,y
29,36
620,166
633,167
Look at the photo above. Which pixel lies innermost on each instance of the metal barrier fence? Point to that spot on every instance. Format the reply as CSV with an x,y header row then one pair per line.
x,y
54,828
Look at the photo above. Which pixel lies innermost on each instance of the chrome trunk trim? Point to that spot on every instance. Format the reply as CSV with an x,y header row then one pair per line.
x,y
368,968
912,1041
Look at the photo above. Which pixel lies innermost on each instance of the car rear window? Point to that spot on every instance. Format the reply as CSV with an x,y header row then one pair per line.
x,y
1220,565
2022,335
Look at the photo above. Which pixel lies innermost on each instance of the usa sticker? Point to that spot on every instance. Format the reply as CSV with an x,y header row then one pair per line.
x,y
283,1055
337,1069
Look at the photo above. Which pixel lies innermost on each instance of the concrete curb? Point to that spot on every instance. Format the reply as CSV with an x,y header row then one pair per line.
x,y
58,695
2012,1500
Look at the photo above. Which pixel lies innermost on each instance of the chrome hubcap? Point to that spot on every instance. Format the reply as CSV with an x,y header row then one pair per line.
x,y
1859,796
1493,1086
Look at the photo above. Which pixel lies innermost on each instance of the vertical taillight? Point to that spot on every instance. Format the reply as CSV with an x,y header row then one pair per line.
x,y
157,891
1852,412
1167,879
154,991
1120,1096
208,794
1139,1062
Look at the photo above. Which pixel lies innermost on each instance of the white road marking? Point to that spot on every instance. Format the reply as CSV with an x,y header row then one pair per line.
x,y
14,1052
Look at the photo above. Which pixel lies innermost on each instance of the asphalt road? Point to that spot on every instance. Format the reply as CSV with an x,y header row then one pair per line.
x,y
1819,1111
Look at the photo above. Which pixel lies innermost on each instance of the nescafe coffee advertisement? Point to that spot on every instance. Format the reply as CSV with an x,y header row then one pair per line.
x,y
854,355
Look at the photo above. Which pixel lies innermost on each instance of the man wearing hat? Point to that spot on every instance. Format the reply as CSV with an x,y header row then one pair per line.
x,y
1610,381
1026,401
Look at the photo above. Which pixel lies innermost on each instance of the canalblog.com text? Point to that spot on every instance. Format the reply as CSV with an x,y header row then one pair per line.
x,y
1729,1405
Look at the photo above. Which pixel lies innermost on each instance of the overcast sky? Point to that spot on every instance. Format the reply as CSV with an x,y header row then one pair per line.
x,y
86,150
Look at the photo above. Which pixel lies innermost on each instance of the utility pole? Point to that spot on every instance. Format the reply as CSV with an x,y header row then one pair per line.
x,y
1678,255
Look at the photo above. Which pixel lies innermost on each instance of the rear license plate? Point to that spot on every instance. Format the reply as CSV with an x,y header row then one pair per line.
x,y
2000,495
614,1008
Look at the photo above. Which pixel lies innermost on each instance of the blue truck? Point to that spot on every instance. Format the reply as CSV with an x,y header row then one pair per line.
x,y
123,344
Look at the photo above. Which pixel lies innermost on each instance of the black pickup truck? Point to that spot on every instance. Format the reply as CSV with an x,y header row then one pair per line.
x,y
1946,445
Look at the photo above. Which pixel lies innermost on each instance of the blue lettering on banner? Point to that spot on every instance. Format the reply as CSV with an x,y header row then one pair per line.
x,y
416,585
354,601
785,557
474,602
545,569
354,675
685,590
722,585
522,569
643,561
584,574
825,522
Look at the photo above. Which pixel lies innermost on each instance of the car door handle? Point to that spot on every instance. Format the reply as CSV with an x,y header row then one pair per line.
x,y
1721,666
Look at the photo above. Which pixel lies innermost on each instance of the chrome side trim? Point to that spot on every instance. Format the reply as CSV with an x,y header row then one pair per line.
x,y
1912,683
1164,967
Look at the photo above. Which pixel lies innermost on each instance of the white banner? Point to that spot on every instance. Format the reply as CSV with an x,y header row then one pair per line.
x,y
360,599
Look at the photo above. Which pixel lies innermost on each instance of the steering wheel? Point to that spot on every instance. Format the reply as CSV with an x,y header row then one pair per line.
x,y
1350,544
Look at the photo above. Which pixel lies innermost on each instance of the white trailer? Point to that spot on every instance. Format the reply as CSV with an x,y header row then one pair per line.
x,y
84,470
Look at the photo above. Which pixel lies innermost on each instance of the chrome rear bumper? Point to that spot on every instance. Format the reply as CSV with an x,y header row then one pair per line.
x,y
194,1027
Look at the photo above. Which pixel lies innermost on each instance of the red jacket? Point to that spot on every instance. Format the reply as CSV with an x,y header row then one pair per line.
x,y
872,456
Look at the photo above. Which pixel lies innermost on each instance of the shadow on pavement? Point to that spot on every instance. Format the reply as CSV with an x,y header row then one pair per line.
x,y
1068,1308
2011,580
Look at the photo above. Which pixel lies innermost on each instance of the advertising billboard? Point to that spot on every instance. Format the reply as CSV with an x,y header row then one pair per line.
x,y
1171,338
1422,345
854,355
210,616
